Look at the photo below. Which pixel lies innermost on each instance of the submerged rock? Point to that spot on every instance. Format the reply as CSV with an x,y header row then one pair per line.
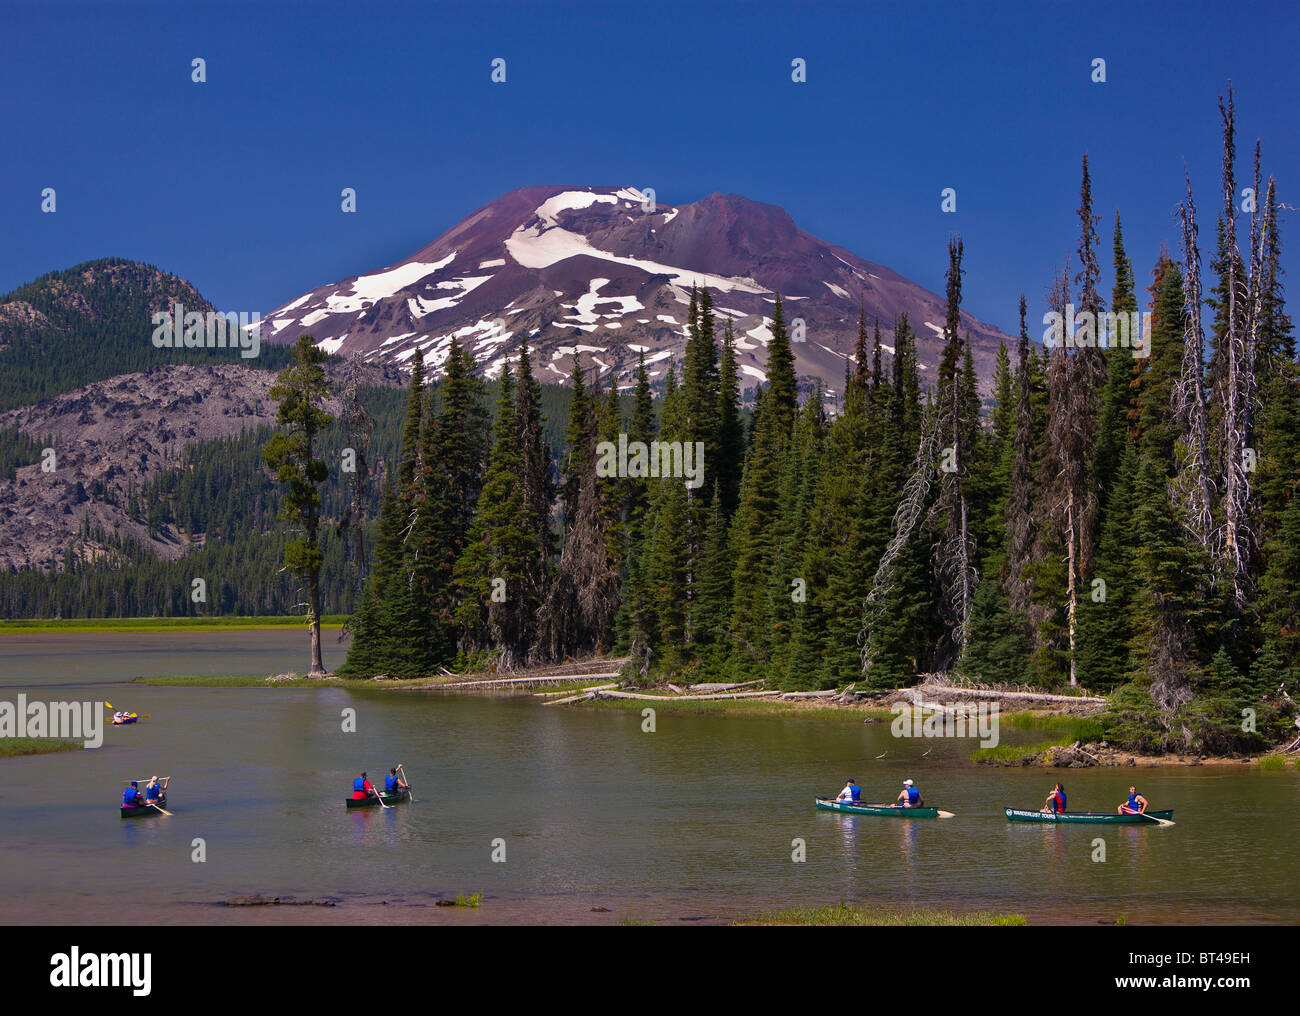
x,y
258,900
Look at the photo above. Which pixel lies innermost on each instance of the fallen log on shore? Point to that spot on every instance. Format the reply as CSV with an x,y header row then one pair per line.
x,y
581,697
685,698
953,692
568,691
548,679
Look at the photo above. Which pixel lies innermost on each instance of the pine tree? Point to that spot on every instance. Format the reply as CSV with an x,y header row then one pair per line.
x,y
730,454
1113,425
782,385
787,585
751,536
497,575
291,452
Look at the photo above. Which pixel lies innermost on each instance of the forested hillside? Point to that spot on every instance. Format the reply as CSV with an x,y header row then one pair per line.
x,y
94,321
1124,519
224,498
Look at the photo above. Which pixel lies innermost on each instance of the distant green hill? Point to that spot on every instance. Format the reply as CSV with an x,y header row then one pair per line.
x,y
94,321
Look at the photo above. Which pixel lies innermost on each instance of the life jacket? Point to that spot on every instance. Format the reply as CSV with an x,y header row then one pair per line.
x,y
359,785
130,796
913,795
856,792
1133,801
390,783
153,791
1058,797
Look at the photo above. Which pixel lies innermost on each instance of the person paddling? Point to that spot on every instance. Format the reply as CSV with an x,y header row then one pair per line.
x,y
131,797
362,788
1135,805
1055,802
851,793
153,791
909,796
394,784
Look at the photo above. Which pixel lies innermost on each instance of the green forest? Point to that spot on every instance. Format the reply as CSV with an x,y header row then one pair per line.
x,y
1120,520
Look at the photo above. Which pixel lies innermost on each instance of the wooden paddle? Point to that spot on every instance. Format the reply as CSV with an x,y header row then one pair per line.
x,y
152,804
401,769
1152,818
380,798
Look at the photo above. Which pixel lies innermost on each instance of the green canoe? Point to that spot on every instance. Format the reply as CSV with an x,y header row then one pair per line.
x,y
143,810
373,802
1099,817
889,810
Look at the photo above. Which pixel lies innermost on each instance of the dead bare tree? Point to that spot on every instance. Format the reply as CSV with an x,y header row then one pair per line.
x,y
1193,487
1019,513
359,427
1069,403
915,492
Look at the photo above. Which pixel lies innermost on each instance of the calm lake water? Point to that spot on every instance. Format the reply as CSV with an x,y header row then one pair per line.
x,y
693,822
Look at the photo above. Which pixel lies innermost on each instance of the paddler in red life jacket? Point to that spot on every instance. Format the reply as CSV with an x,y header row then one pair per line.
x,y
909,796
1135,805
131,795
1055,800
361,788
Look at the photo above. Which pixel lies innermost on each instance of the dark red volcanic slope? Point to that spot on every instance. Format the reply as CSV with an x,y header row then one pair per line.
x,y
603,274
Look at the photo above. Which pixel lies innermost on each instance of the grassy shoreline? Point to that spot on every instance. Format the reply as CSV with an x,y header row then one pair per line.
x,y
161,624
19,747
1066,728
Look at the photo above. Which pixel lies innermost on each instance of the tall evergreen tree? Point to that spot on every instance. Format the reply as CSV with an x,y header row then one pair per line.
x,y
291,452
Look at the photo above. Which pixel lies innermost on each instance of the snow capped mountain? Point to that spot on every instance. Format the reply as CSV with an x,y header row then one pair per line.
x,y
605,274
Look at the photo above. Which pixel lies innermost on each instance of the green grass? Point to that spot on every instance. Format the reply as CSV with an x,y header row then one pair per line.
x,y
14,747
259,681
1068,729
225,681
1014,752
469,901
1273,763
1077,728
157,624
845,915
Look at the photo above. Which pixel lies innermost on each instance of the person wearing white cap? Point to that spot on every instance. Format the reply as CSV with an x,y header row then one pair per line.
x,y
910,797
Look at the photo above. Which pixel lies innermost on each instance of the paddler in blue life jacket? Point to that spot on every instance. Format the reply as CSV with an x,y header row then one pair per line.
x,y
394,784
851,793
1055,800
154,790
1135,805
361,788
131,795
909,796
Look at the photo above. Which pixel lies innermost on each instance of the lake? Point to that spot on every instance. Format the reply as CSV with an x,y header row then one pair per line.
x,y
695,822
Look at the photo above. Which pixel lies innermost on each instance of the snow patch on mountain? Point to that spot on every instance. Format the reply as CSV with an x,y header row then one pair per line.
x,y
534,247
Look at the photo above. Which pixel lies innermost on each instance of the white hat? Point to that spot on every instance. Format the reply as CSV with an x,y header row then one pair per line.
x,y
907,783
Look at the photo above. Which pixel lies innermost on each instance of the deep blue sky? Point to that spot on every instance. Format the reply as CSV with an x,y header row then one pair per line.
x,y
234,184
